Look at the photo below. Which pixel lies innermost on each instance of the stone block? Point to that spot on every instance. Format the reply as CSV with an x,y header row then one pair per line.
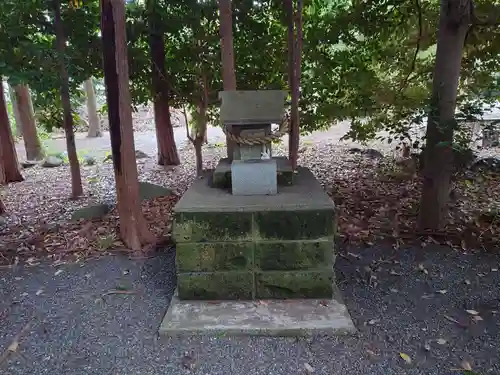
x,y
293,284
215,256
91,212
294,255
221,177
212,226
254,177
148,190
215,286
296,225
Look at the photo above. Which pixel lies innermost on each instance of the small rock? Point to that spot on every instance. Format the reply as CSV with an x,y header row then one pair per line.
x,y
370,152
140,155
491,164
149,191
52,162
28,164
89,160
91,212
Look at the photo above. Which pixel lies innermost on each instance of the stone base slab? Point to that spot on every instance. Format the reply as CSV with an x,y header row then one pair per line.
x,y
298,317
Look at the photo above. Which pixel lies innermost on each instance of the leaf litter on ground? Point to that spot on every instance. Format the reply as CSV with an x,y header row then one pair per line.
x,y
376,201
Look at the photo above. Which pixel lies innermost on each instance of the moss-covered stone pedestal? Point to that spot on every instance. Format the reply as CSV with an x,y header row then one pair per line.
x,y
246,249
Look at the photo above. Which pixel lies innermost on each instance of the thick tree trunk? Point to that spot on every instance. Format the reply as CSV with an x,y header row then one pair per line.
x,y
15,108
2,207
133,227
9,167
74,165
94,123
228,70
167,150
454,23
34,150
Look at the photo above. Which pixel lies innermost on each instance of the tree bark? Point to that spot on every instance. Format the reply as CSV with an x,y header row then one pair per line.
x,y
94,123
133,227
167,150
2,207
76,179
227,50
9,167
294,71
34,150
454,21
15,108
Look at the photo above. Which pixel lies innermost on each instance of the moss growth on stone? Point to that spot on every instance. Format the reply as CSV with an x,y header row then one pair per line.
x,y
215,286
304,284
212,226
293,255
296,225
225,256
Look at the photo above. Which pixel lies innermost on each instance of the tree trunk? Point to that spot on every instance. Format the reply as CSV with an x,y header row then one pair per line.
x,y
167,150
9,167
133,227
15,109
454,21
294,71
76,179
2,207
228,71
34,150
94,123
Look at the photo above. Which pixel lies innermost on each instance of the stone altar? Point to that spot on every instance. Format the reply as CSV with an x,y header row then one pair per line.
x,y
235,250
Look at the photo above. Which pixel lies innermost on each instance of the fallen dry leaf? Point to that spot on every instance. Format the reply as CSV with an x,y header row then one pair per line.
x,y
309,369
405,357
472,312
441,341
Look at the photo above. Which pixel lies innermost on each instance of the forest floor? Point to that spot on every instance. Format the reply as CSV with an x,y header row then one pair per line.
x,y
418,311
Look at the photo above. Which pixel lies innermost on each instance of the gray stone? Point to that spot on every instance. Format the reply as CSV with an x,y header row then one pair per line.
x,y
140,155
254,177
51,162
89,160
28,164
300,317
91,212
305,194
252,107
150,191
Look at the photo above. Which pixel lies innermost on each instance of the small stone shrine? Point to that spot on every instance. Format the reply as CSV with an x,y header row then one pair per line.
x,y
255,239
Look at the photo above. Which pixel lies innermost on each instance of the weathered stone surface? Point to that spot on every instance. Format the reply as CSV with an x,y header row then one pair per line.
x,y
140,154
215,286
254,177
91,212
301,224
294,284
226,256
149,191
292,255
52,162
302,317
222,174
212,226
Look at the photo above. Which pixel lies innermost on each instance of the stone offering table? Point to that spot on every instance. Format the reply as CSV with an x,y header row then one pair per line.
x,y
236,250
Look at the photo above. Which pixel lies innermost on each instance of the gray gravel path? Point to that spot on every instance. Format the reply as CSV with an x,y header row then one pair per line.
x,y
78,330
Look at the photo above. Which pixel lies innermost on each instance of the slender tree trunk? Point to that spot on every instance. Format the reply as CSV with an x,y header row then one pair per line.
x,y
94,123
2,207
167,150
133,227
9,167
454,22
15,108
34,150
294,71
76,179
228,70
